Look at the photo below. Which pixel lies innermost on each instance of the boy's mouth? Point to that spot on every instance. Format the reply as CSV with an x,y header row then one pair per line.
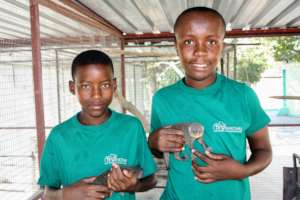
x,y
199,66
97,106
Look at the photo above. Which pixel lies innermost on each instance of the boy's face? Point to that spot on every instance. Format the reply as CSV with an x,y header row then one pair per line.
x,y
199,44
94,86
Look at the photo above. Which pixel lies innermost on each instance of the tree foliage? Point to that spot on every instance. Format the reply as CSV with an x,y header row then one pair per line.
x,y
252,63
286,49
250,71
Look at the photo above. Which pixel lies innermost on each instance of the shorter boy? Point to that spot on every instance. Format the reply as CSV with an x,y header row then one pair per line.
x,y
95,140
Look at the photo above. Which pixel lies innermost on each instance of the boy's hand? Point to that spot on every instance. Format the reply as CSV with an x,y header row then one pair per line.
x,y
219,167
122,180
83,190
167,140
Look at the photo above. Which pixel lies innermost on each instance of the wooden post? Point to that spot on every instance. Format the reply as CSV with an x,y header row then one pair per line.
x,y
37,75
234,62
123,78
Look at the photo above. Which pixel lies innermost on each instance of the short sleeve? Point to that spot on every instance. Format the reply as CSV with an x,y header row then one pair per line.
x,y
49,166
145,158
155,121
257,116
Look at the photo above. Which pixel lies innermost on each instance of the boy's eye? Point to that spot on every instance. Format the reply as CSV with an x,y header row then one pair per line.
x,y
85,86
188,42
212,42
105,85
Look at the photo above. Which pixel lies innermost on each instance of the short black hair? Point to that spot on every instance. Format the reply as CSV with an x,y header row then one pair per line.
x,y
198,10
91,57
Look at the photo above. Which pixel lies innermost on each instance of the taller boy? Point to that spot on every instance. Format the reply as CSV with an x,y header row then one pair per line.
x,y
230,112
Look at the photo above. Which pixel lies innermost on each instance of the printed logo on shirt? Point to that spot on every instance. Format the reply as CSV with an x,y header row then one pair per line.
x,y
221,127
113,158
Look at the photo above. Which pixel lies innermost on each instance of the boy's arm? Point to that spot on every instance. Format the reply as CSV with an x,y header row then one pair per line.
x,y
261,152
78,191
222,167
52,194
153,140
165,140
145,184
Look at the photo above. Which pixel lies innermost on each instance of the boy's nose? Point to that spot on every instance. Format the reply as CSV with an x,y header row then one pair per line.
x,y
200,49
96,93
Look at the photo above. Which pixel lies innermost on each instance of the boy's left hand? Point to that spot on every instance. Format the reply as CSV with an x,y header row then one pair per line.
x,y
219,167
122,180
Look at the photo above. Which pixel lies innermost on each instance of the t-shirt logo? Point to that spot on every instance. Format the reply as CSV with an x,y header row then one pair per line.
x,y
221,127
113,158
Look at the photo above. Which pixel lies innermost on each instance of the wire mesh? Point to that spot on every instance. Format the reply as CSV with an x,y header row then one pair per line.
x,y
61,40
18,152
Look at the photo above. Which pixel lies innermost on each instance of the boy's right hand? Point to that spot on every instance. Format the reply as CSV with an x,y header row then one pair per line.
x,y
167,139
84,190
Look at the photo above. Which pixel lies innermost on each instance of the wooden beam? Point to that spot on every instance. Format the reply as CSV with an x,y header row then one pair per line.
x,y
146,37
82,40
123,74
77,17
166,36
37,75
263,32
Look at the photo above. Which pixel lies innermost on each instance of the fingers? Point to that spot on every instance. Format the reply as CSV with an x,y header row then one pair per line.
x,y
88,180
201,156
204,177
209,180
116,179
171,147
127,173
174,138
173,131
198,168
202,174
208,157
214,156
94,192
167,139
100,192
122,180
171,140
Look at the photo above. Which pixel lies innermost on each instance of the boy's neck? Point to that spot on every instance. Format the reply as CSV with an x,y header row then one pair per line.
x,y
200,84
85,119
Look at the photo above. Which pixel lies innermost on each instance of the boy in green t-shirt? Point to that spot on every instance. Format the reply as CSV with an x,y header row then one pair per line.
x,y
229,111
96,140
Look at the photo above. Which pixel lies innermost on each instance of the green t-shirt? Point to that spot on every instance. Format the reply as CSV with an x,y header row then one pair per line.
x,y
74,151
229,111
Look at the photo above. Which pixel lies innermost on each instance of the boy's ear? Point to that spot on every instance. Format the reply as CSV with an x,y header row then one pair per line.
x,y
115,84
72,87
223,45
175,44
